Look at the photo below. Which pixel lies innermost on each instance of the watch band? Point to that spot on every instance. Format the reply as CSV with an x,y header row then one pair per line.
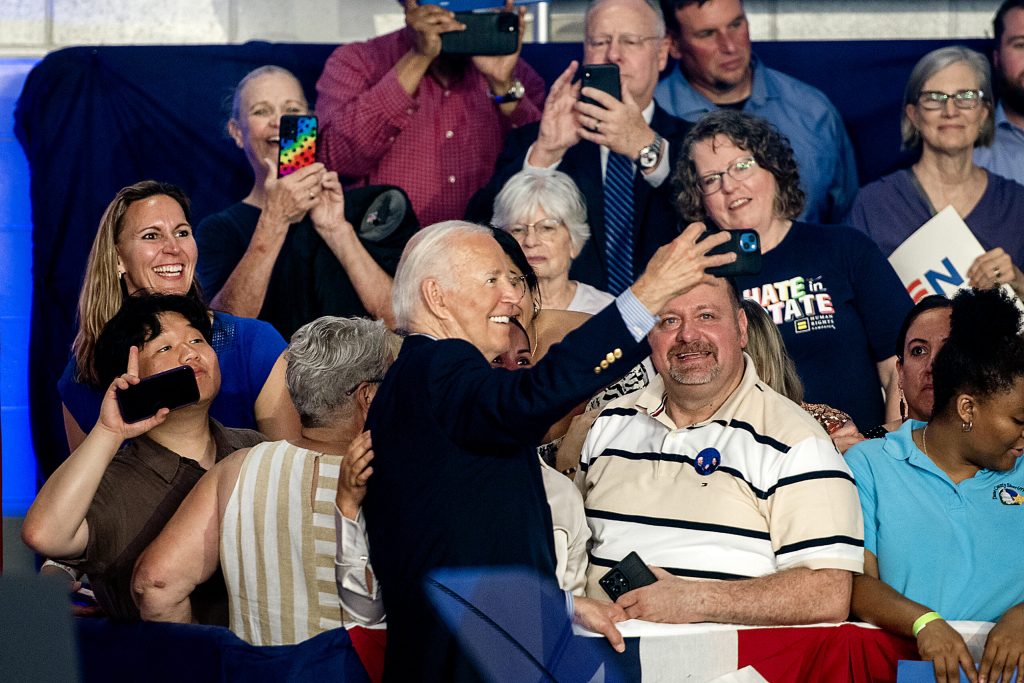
x,y
650,155
515,93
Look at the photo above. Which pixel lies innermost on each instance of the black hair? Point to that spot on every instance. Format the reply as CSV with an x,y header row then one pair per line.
x,y
669,7
999,22
984,354
137,322
515,252
929,303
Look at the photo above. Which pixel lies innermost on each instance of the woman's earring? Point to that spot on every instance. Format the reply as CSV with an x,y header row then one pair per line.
x,y
967,426
536,307
903,406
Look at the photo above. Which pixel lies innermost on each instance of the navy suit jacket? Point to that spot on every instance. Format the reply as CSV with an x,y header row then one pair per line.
x,y
655,222
456,478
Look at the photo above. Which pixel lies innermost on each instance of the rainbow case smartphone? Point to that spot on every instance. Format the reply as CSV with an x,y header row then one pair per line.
x,y
298,143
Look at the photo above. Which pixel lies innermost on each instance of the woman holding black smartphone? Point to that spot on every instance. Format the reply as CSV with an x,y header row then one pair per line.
x,y
285,253
112,496
835,299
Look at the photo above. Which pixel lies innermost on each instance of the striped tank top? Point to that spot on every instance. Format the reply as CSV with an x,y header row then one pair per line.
x,y
277,552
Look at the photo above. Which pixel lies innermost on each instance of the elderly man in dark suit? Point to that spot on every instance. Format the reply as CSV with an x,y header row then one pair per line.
x,y
619,153
456,480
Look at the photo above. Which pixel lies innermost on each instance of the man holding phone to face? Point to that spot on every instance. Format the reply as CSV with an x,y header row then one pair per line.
x,y
397,110
619,152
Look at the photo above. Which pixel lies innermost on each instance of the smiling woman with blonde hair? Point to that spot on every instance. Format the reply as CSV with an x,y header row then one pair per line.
x,y
145,243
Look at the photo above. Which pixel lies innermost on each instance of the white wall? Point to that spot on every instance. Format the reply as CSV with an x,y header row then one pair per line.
x,y
35,27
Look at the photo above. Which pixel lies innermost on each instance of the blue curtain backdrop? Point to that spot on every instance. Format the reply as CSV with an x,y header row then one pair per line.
x,y
94,119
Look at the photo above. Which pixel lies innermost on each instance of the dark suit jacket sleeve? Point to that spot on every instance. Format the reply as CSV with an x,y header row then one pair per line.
x,y
496,409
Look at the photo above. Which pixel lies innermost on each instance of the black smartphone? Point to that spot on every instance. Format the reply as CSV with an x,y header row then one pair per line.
x,y
486,33
604,77
172,389
297,143
746,244
628,574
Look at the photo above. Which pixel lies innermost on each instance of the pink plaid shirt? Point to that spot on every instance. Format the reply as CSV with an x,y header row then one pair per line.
x,y
439,145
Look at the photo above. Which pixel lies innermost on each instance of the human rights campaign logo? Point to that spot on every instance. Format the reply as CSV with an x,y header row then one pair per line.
x,y
1009,495
802,302
944,280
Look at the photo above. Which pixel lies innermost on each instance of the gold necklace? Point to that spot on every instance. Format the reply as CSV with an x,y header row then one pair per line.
x,y
924,440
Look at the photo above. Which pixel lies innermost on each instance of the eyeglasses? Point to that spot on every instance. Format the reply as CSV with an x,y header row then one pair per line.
x,y
627,41
741,169
519,284
366,381
545,229
963,99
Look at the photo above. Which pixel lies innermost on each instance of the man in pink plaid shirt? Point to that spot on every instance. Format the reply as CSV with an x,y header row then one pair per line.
x,y
394,110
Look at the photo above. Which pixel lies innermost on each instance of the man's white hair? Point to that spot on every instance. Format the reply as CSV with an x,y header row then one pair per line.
x,y
427,255
654,5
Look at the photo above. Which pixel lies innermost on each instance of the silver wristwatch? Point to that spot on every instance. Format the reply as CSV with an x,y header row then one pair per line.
x,y
514,94
650,154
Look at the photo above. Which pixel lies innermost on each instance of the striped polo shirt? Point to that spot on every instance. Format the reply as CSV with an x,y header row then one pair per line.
x,y
756,489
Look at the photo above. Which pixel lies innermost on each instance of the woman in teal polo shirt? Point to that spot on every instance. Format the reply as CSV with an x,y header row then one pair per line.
x,y
943,501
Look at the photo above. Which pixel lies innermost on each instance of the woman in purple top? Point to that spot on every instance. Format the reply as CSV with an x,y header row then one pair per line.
x,y
947,112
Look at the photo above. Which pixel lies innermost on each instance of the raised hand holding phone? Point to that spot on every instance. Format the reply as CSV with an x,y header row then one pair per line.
x,y
615,122
110,418
291,197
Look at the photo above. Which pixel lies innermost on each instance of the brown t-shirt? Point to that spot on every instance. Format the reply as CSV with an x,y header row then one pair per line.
x,y
140,491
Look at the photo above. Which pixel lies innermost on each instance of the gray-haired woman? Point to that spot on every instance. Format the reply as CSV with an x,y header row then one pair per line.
x,y
947,112
545,212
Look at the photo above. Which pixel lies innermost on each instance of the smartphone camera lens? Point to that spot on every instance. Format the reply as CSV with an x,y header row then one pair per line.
x,y
748,242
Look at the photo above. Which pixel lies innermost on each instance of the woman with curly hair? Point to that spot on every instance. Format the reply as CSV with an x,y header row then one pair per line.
x,y
833,296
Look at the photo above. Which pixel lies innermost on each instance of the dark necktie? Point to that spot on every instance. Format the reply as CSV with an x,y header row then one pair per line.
x,y
618,222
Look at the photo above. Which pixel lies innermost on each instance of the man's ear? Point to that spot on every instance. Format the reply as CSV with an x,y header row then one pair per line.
x,y
364,397
434,298
741,322
673,47
664,50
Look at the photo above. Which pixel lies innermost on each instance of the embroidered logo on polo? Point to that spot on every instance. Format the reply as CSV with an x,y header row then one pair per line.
x,y
804,303
1009,494
707,461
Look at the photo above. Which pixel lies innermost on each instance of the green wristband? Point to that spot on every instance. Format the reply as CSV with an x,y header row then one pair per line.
x,y
924,620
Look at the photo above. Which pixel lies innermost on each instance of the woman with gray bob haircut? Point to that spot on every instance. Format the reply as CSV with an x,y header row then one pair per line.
x,y
544,210
330,360
947,113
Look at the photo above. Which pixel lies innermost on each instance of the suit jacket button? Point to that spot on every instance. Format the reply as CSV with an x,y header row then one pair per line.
x,y
604,364
618,353
597,369
610,357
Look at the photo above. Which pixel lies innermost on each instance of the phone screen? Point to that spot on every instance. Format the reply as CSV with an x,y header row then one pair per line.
x,y
172,389
297,147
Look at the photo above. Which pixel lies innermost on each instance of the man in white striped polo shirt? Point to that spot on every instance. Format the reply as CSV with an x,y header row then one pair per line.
x,y
732,493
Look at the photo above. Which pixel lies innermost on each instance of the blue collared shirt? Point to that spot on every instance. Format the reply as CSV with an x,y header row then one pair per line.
x,y
1005,156
824,155
954,548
